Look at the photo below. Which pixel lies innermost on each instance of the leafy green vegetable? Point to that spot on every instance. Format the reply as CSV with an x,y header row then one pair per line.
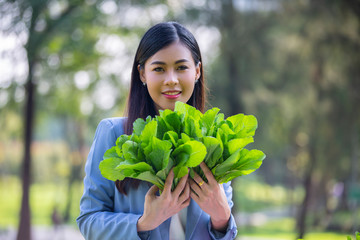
x,y
182,139
357,236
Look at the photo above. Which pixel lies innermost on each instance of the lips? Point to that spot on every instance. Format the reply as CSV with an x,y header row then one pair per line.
x,y
171,94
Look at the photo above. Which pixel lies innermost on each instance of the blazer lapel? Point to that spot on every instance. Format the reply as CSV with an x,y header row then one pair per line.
x,y
193,215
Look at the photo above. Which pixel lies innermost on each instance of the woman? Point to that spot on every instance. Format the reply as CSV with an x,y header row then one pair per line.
x,y
167,68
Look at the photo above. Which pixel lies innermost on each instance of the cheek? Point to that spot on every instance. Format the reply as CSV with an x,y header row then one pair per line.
x,y
153,90
153,84
189,83
188,88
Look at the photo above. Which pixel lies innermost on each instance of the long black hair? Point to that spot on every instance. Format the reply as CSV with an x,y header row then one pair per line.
x,y
140,104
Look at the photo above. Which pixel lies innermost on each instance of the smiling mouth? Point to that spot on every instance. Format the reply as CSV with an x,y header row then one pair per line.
x,y
172,93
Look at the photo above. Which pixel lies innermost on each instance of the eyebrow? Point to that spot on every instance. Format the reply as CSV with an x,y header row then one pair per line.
x,y
163,63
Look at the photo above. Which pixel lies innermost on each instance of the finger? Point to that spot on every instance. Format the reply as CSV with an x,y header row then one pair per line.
x,y
208,174
168,182
185,194
186,203
194,187
198,179
180,187
194,196
151,193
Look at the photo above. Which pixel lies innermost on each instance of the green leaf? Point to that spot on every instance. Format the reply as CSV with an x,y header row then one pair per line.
x,y
161,127
148,133
228,164
221,137
214,151
192,128
182,139
250,160
226,129
180,171
158,152
181,108
238,143
129,150
197,154
208,121
237,122
149,177
190,154
247,127
219,119
230,175
133,167
173,137
195,114
121,140
108,169
111,153
163,173
138,126
250,124
172,120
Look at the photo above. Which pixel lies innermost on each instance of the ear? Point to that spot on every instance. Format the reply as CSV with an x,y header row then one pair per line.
x,y
141,73
198,71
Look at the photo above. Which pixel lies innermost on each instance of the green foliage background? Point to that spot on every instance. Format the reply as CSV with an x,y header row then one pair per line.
x,y
292,64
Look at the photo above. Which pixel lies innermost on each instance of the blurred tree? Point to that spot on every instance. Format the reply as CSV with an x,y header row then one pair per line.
x,y
284,62
290,63
85,75
334,118
39,26
77,55
40,21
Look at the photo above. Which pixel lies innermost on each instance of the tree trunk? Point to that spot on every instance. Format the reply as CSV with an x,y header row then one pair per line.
x,y
33,45
355,155
235,82
317,78
301,221
24,231
78,154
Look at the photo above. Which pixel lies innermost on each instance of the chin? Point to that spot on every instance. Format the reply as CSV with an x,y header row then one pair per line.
x,y
171,107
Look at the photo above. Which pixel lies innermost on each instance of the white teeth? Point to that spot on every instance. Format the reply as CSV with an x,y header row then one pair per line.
x,y
171,93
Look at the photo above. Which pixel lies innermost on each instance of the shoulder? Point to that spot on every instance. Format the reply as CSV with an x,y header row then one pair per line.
x,y
114,125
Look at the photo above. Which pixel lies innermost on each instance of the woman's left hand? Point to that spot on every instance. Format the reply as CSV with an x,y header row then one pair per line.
x,y
211,198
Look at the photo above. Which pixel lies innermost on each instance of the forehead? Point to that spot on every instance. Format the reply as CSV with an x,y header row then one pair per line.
x,y
172,53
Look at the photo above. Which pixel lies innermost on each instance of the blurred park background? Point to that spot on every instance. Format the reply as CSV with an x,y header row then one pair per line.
x,y
294,64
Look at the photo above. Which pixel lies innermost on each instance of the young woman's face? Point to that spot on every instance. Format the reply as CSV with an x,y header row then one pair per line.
x,y
170,75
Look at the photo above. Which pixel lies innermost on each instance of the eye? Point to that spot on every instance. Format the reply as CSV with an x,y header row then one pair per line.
x,y
158,69
182,67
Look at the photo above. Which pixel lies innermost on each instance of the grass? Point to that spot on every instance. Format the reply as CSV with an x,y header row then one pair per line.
x,y
309,236
251,195
10,192
282,229
43,198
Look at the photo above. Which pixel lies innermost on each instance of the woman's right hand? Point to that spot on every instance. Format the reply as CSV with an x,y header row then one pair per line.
x,y
159,208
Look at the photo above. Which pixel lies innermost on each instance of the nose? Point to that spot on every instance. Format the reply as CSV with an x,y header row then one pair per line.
x,y
171,78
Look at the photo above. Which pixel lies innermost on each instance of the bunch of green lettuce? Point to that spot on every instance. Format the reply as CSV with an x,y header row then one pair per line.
x,y
182,139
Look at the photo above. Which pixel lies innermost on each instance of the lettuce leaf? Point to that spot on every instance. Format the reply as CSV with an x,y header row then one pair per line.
x,y
182,139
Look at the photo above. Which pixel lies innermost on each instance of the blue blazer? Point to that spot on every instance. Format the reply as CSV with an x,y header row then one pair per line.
x,y
107,214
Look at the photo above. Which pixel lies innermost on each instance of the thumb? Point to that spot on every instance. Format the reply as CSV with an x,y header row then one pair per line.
x,y
152,191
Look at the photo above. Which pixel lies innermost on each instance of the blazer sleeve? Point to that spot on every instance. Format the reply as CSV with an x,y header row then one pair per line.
x,y
231,230
97,220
